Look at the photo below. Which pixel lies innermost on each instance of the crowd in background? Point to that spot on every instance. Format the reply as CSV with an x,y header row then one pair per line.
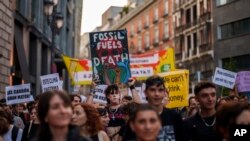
x,y
59,116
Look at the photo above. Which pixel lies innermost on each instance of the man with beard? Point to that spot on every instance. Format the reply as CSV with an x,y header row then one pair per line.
x,y
200,127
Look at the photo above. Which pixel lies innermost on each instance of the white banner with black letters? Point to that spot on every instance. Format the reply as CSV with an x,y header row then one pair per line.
x,y
50,82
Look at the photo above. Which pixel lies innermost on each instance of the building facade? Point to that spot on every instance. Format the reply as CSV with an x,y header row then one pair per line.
x,y
232,34
193,38
149,26
6,43
27,52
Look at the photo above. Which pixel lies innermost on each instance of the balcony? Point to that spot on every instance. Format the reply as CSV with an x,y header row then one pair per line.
x,y
205,47
165,37
155,20
147,47
205,17
187,25
156,43
178,56
146,25
165,14
179,29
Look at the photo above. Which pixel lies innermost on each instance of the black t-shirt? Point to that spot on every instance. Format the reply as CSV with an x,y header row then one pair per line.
x,y
28,135
126,133
172,126
198,130
116,117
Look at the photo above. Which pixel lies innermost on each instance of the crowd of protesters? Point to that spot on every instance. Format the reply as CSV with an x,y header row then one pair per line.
x,y
59,116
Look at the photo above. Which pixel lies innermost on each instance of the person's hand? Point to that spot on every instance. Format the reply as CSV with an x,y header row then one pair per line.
x,y
131,81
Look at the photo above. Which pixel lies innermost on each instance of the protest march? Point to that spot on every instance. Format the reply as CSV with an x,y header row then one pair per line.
x,y
130,98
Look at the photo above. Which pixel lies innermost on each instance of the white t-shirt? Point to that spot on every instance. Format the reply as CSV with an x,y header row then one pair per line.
x,y
7,136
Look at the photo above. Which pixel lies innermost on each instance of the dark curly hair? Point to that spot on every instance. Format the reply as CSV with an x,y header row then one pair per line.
x,y
93,119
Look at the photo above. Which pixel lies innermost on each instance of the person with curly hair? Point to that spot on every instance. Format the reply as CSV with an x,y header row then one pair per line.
x,y
88,119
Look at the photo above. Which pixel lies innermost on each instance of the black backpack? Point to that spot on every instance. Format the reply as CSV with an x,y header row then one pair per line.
x,y
14,133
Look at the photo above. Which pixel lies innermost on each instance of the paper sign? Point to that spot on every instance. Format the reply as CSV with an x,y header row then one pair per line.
x,y
99,96
110,56
142,72
18,94
243,81
50,82
177,85
83,76
224,78
143,96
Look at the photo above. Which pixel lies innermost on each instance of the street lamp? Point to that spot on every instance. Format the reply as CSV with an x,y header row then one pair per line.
x,y
55,21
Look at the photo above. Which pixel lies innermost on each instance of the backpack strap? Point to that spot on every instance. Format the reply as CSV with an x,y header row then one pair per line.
x,y
14,133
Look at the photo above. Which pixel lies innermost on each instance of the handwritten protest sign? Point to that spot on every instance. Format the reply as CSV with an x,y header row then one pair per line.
x,y
224,78
110,56
176,83
99,96
243,81
18,94
50,82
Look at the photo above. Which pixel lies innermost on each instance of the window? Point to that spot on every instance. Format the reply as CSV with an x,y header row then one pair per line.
x,y
188,44
223,2
233,29
147,20
194,12
194,43
166,29
156,40
132,30
166,7
139,25
147,39
188,16
139,43
156,13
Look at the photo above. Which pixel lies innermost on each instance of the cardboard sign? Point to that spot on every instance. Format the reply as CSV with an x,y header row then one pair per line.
x,y
224,78
110,56
18,94
50,82
177,85
99,96
243,81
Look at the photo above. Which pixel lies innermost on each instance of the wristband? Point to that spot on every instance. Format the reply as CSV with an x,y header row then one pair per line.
x,y
132,87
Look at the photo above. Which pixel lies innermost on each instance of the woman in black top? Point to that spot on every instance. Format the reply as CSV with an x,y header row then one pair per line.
x,y
31,128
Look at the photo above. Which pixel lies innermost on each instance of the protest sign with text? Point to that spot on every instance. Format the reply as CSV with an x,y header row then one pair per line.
x,y
243,81
50,82
110,56
177,85
18,94
224,78
99,96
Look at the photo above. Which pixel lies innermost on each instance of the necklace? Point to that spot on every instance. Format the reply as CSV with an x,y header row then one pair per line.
x,y
113,113
209,125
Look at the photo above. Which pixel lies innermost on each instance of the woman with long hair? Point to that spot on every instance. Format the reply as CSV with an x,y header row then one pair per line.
x,y
87,118
55,113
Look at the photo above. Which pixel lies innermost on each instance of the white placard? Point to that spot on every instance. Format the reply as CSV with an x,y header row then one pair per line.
x,y
142,72
99,96
18,94
50,82
144,60
143,96
224,78
83,76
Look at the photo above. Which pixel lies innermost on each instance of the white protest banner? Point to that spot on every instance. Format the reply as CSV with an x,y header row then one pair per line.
x,y
50,82
99,96
18,94
83,76
243,81
142,72
224,78
150,59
